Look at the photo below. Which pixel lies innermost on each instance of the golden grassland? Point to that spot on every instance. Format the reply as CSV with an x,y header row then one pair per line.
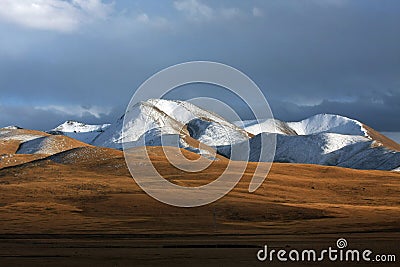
x,y
87,196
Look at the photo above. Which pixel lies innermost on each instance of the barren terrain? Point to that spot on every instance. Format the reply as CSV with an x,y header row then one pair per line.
x,y
83,206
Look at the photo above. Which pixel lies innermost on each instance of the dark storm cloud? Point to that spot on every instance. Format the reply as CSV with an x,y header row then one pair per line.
x,y
315,56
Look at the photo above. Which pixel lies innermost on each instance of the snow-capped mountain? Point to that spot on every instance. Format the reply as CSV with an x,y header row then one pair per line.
x,y
320,123
329,149
12,127
325,139
79,127
80,131
153,118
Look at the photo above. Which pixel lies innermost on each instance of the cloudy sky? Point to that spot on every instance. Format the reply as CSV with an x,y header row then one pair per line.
x,y
83,59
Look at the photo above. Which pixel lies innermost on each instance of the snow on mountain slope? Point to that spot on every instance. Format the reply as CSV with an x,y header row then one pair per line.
x,y
18,134
11,127
330,149
363,155
304,148
214,133
79,127
170,117
324,139
10,141
328,139
80,131
250,150
314,149
328,123
143,118
321,123
267,126
202,125
111,136
183,111
49,145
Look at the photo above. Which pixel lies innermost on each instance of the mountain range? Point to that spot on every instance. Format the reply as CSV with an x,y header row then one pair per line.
x,y
324,139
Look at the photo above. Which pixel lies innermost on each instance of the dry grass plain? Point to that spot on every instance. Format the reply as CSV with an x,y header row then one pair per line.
x,y
82,207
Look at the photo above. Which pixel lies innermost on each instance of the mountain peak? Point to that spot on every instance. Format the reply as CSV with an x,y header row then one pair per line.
x,y
73,122
71,126
12,127
326,139
328,123
79,130
170,117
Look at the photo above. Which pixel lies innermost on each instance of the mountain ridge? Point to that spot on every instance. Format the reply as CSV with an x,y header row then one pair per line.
x,y
325,139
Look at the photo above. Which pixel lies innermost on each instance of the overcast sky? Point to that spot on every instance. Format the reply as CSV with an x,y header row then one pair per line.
x,y
83,59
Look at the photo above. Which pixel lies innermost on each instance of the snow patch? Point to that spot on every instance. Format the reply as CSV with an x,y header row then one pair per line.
x,y
12,127
321,123
16,134
46,145
80,131
79,127
328,123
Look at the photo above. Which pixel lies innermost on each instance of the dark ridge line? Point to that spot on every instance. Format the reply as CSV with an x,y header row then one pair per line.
x,y
39,160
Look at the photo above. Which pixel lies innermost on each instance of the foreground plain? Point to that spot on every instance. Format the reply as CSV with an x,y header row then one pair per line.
x,y
82,207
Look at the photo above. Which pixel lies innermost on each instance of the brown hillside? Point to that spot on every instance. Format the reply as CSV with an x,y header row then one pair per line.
x,y
49,145
384,140
81,207
35,145
96,194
